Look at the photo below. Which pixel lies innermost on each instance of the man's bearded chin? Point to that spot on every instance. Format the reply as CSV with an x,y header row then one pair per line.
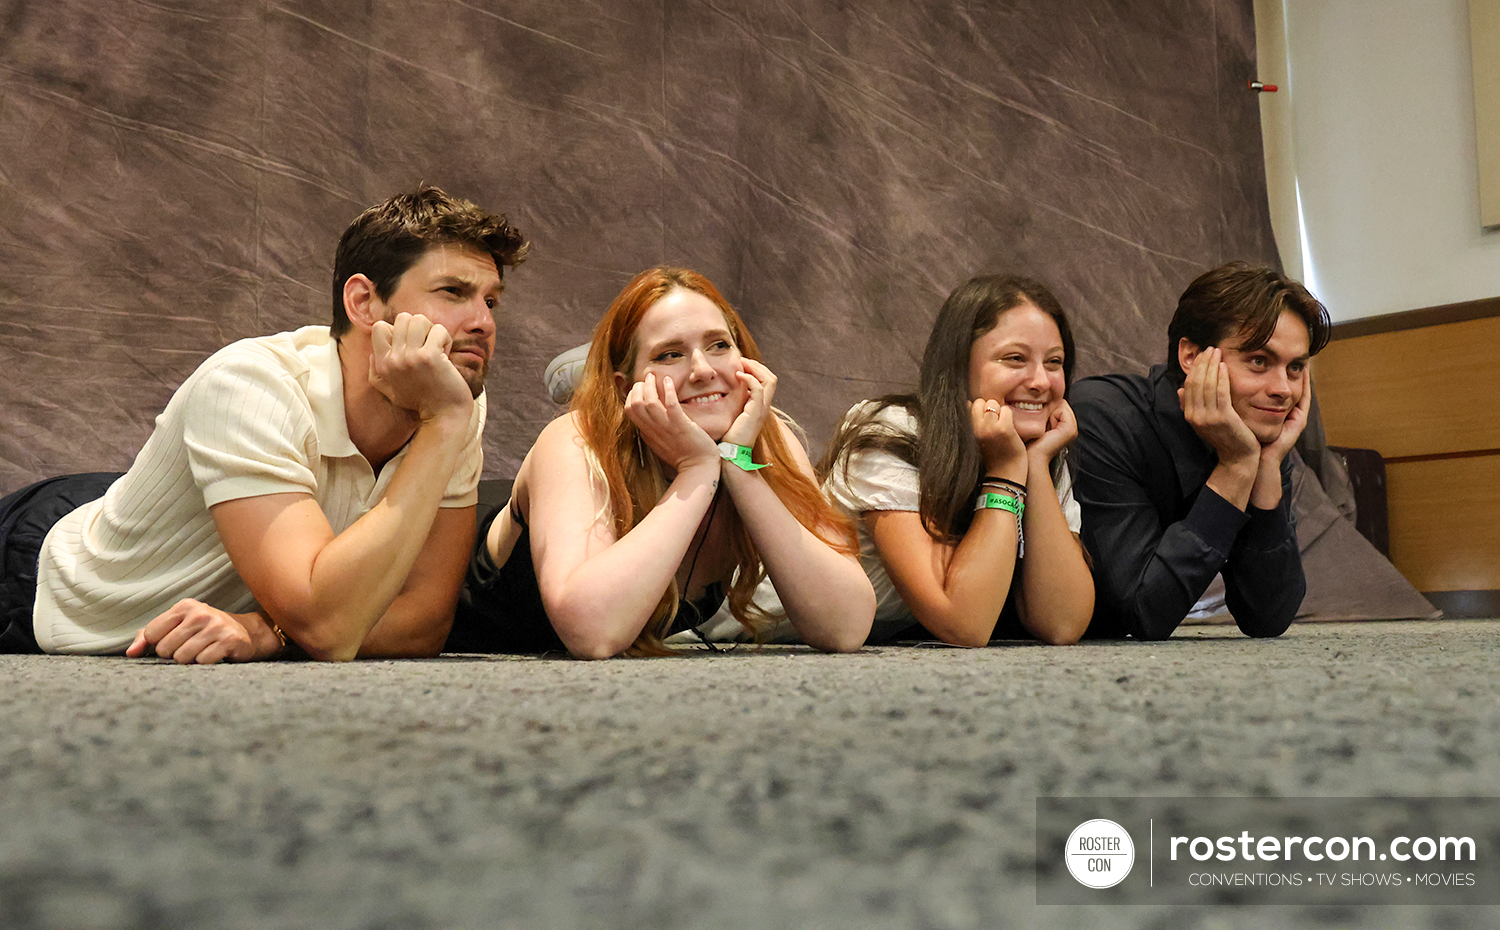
x,y
473,377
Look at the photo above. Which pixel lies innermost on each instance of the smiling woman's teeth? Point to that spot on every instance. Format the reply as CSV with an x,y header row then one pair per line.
x,y
705,398
1022,405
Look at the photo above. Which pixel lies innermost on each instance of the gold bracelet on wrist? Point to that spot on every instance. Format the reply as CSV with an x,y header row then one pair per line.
x,y
281,635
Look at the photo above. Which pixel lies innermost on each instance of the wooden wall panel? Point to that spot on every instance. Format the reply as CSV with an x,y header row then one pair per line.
x,y
1428,391
1445,522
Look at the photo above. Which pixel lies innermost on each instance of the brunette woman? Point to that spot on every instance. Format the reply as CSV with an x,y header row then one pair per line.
x,y
967,523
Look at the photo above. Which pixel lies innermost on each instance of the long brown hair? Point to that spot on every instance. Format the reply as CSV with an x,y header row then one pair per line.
x,y
633,474
944,451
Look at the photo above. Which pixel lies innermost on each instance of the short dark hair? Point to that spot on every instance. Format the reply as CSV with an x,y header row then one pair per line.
x,y
1241,299
386,240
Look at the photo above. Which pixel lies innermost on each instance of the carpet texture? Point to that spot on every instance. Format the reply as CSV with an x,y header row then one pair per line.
x,y
779,788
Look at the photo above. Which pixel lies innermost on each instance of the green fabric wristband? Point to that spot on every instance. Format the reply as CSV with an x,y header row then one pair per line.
x,y
738,456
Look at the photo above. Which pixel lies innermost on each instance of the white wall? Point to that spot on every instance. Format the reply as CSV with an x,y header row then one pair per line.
x,y
1375,126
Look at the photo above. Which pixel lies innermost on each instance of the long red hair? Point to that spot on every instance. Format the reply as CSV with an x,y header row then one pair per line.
x,y
633,474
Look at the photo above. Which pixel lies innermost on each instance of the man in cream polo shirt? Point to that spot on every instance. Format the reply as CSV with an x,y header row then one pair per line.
x,y
310,489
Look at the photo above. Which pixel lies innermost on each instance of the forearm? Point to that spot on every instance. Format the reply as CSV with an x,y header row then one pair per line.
x,y
1235,481
1266,493
826,594
603,604
263,636
1185,560
357,576
1055,579
1263,578
977,582
413,627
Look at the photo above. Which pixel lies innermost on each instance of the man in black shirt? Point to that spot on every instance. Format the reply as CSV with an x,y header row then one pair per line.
x,y
1183,474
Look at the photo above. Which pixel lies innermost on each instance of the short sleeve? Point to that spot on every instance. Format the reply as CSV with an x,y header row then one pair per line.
x,y
873,479
248,431
463,488
1071,511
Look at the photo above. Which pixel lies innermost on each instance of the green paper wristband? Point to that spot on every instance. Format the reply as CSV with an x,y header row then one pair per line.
x,y
991,501
738,456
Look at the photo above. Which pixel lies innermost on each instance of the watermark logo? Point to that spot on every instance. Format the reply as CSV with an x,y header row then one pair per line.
x,y
1099,853
1268,850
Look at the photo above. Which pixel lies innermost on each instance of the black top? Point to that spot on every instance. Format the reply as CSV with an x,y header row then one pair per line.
x,y
1158,535
500,608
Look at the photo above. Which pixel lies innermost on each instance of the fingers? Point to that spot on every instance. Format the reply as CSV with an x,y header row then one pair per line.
x,y
381,337
1223,402
1207,400
171,645
192,632
753,413
992,420
978,409
1304,403
676,417
1205,393
437,338
1063,423
411,333
138,646
645,405
987,415
669,395
159,628
653,406
764,376
1005,420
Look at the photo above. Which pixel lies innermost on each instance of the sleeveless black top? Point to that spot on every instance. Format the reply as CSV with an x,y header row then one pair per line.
x,y
500,609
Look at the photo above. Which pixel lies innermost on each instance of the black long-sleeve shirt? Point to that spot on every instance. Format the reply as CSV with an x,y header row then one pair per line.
x,y
1157,533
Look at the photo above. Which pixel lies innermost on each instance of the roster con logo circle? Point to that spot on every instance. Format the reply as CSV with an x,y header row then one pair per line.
x,y
1099,853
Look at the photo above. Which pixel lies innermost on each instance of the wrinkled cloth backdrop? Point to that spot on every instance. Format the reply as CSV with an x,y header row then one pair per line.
x,y
175,176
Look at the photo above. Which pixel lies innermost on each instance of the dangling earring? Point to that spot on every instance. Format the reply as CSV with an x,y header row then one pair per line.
x,y
640,450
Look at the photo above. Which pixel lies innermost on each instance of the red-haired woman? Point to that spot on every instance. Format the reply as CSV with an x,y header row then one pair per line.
x,y
669,487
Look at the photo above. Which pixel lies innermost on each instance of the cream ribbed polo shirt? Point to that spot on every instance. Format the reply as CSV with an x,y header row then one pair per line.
x,y
261,416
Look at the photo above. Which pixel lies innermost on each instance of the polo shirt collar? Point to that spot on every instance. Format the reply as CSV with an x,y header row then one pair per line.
x,y
1193,458
325,392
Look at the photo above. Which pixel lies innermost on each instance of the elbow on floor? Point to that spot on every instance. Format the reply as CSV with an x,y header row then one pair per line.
x,y
1063,637
594,647
967,640
329,652
840,642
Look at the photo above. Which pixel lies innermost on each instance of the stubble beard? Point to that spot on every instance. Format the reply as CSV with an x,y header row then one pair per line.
x,y
475,378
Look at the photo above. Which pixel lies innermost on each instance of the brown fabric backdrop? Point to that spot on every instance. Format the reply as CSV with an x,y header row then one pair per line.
x,y
174,176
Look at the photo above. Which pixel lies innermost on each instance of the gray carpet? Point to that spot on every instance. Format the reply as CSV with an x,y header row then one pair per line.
x,y
894,788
